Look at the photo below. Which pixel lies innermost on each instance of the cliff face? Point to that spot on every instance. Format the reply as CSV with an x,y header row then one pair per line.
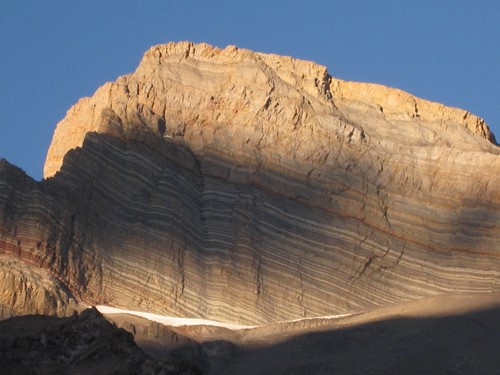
x,y
240,186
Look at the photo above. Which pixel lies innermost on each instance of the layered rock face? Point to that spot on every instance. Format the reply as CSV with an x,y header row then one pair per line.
x,y
240,186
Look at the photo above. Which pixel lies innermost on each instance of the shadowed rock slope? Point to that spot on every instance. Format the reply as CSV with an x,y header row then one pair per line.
x,y
240,186
83,344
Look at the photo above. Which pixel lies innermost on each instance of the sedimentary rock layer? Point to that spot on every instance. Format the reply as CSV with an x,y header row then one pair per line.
x,y
239,186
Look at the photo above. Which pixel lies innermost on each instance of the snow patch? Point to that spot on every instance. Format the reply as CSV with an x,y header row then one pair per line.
x,y
179,322
171,320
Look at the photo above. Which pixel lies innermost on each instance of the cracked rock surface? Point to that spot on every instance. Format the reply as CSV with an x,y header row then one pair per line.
x,y
253,188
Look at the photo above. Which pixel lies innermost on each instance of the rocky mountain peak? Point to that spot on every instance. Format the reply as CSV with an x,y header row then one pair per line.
x,y
181,88
252,188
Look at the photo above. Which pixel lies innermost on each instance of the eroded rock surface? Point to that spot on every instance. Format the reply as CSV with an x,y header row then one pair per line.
x,y
26,289
239,186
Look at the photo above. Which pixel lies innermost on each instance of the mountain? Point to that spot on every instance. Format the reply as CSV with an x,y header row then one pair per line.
x,y
252,188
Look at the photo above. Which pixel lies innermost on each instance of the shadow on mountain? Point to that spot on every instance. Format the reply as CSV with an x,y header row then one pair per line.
x,y
162,207
82,344
465,344
213,228
88,343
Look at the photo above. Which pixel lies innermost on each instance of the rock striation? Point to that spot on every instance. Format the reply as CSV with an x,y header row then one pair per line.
x,y
247,187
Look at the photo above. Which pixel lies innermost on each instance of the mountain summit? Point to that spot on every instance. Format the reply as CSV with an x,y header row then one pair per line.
x,y
185,89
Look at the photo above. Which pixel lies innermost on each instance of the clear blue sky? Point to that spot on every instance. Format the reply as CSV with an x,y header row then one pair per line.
x,y
54,52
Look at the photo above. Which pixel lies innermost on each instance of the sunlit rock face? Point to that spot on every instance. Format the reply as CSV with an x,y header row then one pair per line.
x,y
246,187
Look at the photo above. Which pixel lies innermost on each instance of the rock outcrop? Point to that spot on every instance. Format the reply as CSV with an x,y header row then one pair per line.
x,y
239,186
25,289
83,344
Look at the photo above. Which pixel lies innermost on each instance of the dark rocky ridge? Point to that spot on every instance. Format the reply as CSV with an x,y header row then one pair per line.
x,y
456,334
83,344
